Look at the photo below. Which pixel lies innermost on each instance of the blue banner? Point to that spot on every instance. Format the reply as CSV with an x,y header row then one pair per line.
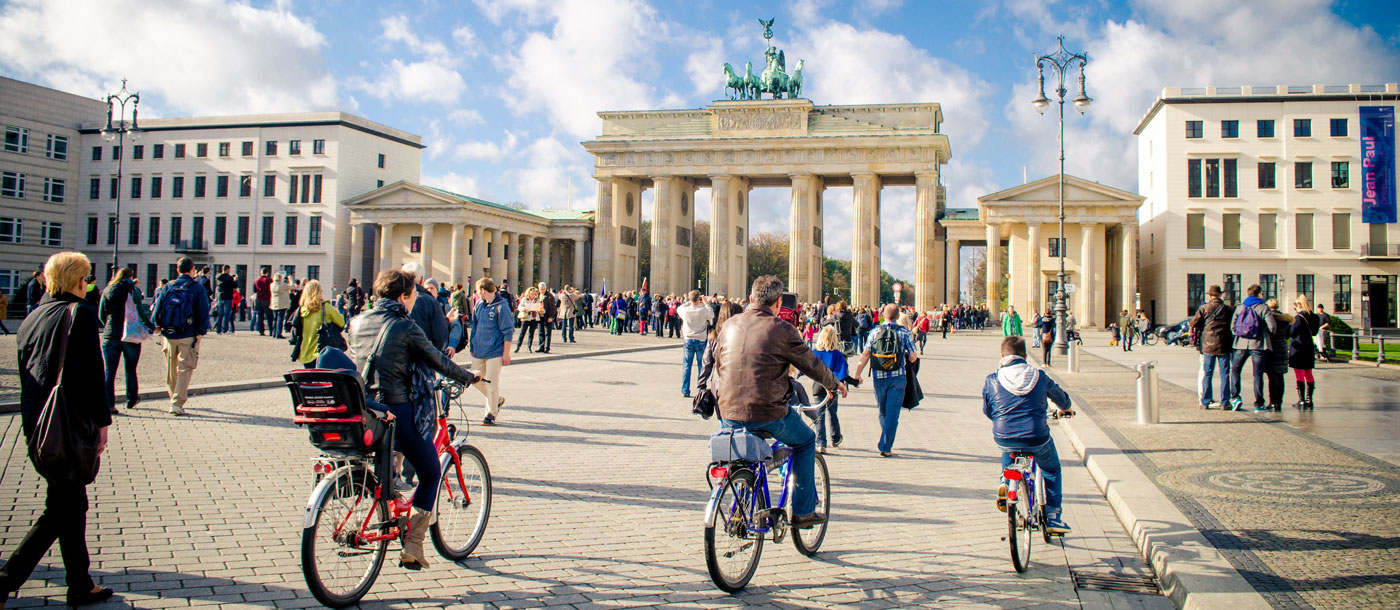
x,y
1378,164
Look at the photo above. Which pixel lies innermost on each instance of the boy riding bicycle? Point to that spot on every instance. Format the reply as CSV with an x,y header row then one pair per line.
x,y
1015,398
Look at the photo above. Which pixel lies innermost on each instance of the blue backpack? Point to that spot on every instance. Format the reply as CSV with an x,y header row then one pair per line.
x,y
1246,323
175,309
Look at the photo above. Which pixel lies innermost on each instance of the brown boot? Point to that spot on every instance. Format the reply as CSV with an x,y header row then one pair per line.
x,y
413,557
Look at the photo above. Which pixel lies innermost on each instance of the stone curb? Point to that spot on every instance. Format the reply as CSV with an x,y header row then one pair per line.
x,y
1192,572
277,382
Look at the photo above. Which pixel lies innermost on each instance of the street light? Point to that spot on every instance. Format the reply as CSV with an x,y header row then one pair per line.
x,y
1061,62
118,131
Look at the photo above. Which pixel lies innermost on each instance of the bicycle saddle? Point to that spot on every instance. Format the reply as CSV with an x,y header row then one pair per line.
x,y
1020,454
763,434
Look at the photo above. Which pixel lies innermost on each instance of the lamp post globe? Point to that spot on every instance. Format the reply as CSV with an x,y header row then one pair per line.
x,y
118,130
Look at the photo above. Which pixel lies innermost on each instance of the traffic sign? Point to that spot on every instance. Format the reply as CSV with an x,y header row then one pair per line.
x,y
898,286
1069,288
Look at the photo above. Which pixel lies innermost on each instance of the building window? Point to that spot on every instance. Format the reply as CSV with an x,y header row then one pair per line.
x,y
1303,231
245,186
1379,239
1305,287
1341,231
1231,167
316,188
177,187
199,183
1268,231
1341,294
293,147
176,226
318,147
1230,231
313,272
17,140
242,272
111,230
221,185
97,153
135,187
1193,129
224,149
112,187
92,231
1195,291
1268,282
57,148
378,183
243,222
1302,175
1302,128
153,231
271,148
267,230
1266,176
94,188
269,185
50,233
313,236
247,149
138,152
1054,247
381,160
197,231
220,230
179,151
156,184
1339,128
1212,177
133,231
201,150
116,153
1229,129
1341,174
11,230
415,243
1265,128
157,151
289,236
1193,177
292,192
1195,231
151,279
55,190
12,185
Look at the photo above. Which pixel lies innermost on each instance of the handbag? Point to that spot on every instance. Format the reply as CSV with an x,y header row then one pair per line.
x,y
704,403
329,334
133,329
63,448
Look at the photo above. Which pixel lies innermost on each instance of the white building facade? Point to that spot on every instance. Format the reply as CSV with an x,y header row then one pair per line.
x,y
1263,185
253,192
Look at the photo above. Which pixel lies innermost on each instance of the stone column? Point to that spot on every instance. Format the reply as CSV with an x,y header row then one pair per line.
x,y
800,237
663,231
527,258
1037,300
425,247
865,274
386,247
1088,288
457,267
1129,266
954,259
357,249
993,272
816,276
627,212
683,218
477,268
556,267
545,262
926,252
721,231
578,264
604,236
739,257
512,254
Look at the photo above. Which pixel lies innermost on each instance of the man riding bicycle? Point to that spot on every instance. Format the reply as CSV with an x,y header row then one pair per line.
x,y
1015,399
752,357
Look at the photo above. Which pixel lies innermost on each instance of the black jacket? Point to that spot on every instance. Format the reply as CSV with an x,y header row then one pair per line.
x,y
1301,354
111,311
428,313
33,291
551,308
390,381
38,345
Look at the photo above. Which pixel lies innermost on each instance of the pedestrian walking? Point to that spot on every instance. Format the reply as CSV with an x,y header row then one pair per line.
x,y
225,287
1125,331
355,296
1301,356
828,349
1278,354
182,316
1035,322
569,302
1253,327
120,312
33,292
549,314
1011,323
529,318
695,319
1210,327
1045,335
492,328
1324,332
312,313
280,303
262,303
4,312
57,345
890,347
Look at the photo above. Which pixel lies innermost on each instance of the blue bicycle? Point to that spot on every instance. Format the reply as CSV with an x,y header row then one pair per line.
x,y
741,514
1025,504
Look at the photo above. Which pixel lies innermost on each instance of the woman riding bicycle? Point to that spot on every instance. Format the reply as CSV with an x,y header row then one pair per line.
x,y
401,356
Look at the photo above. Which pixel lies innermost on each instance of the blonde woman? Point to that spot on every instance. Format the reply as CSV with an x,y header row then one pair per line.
x,y
828,350
1301,356
306,327
528,314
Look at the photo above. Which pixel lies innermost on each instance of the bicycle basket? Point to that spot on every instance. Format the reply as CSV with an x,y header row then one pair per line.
x,y
738,445
331,404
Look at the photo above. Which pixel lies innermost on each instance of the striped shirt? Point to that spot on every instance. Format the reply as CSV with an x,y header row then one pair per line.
x,y
906,342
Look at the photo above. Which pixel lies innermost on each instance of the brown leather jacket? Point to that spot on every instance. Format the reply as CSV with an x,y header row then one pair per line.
x,y
752,356
1212,322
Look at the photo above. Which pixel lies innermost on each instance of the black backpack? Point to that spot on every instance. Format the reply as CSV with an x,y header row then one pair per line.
x,y
886,351
175,310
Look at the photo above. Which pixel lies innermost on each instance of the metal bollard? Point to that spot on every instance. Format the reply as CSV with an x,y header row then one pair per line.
x,y
1073,359
1147,405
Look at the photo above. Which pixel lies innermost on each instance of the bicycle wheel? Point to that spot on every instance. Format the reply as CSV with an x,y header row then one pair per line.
x,y
463,505
809,540
338,569
1018,528
732,549
1151,339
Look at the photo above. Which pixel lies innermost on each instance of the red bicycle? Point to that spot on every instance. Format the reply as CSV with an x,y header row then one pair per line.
x,y
354,512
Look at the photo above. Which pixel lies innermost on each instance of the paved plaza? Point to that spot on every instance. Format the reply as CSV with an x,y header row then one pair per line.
x,y
598,469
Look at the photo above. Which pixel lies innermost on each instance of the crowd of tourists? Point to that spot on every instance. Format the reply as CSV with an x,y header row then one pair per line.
x,y
1256,332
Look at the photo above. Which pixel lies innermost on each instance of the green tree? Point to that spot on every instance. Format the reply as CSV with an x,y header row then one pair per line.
x,y
643,254
768,255
700,252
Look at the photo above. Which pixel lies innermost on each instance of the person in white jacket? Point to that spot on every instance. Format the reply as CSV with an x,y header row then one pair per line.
x,y
281,301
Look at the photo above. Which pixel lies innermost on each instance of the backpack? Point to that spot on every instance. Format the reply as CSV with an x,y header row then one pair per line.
x,y
885,349
175,308
1246,323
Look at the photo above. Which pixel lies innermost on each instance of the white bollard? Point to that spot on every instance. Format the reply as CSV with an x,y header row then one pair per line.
x,y
1073,359
1147,406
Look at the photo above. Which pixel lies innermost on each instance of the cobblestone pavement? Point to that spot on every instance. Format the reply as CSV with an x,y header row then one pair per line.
x,y
246,355
599,477
1308,522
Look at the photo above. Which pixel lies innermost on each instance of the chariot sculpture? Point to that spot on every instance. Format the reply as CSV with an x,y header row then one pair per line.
x,y
773,79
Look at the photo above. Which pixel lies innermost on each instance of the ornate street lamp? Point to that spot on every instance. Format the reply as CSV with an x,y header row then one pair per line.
x,y
118,131
1061,62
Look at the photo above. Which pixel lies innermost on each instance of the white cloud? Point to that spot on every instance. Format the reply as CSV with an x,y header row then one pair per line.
x,y
485,149
457,183
466,41
206,58
705,67
466,117
552,175
431,78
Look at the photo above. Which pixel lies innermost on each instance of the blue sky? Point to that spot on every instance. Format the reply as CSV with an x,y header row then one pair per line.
x,y
502,91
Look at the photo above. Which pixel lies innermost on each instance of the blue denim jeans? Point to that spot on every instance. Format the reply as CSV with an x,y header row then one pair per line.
x,y
262,317
130,353
1208,367
1046,459
793,432
828,412
1259,360
224,310
889,395
419,452
694,351
567,334
279,319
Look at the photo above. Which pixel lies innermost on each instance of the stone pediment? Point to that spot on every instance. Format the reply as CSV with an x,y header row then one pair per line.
x,y
1078,191
402,194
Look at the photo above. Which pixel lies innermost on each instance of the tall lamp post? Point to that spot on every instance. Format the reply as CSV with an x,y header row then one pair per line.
x,y
118,131
1061,62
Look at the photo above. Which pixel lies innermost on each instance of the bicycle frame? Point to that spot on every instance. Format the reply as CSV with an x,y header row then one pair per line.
x,y
1025,467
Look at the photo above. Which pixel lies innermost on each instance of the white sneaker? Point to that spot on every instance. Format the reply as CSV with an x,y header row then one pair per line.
x,y
174,410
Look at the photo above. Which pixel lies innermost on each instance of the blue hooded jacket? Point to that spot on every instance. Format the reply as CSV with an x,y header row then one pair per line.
x,y
1015,399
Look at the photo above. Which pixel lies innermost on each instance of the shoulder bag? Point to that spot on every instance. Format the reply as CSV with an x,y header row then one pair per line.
x,y
63,448
329,334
